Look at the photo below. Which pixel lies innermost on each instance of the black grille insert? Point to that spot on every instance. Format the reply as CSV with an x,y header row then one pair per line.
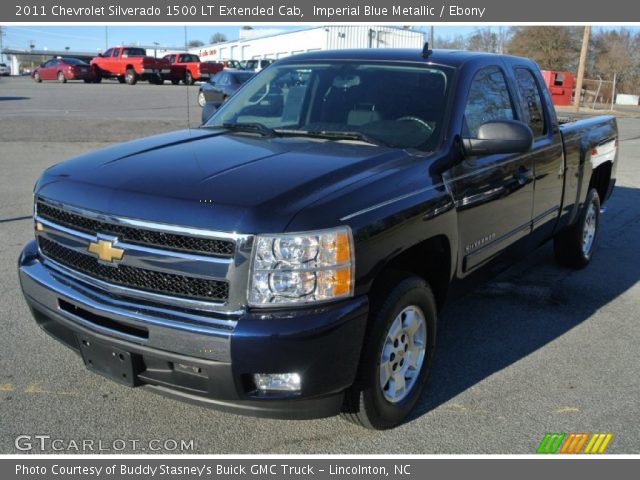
x,y
138,278
163,240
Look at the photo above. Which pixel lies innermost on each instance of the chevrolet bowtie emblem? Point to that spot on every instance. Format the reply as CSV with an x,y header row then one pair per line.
x,y
105,250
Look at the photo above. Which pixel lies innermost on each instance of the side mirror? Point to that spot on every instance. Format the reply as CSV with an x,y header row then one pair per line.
x,y
499,136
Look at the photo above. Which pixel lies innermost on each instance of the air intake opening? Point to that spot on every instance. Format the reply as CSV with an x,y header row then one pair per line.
x,y
102,321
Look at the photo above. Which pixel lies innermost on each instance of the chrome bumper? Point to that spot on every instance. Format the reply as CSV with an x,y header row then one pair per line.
x,y
191,333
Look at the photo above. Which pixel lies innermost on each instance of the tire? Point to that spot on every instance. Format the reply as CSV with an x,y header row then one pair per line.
x,y
62,78
157,80
406,299
188,78
175,81
202,100
120,78
574,246
86,80
131,77
36,77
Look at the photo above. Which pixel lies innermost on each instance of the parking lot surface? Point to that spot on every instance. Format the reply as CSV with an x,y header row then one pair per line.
x,y
538,349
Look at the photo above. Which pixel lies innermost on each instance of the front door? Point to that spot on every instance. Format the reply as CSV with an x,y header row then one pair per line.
x,y
493,193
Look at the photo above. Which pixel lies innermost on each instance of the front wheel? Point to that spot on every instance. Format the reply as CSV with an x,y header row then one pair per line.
x,y
62,78
574,246
396,356
37,78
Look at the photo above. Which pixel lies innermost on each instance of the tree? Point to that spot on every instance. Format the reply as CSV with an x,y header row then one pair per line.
x,y
453,43
195,44
551,47
218,38
483,41
616,51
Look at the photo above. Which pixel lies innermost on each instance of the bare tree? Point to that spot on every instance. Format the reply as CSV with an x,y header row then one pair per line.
x,y
452,43
553,48
195,43
483,41
616,52
218,38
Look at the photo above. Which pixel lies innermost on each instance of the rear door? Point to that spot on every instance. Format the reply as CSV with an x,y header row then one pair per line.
x,y
493,193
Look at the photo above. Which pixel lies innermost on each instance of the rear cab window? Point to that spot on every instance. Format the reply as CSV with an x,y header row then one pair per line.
x,y
530,101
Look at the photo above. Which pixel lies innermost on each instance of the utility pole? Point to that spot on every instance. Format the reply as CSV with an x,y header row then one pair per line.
x,y
581,66
432,41
106,38
613,90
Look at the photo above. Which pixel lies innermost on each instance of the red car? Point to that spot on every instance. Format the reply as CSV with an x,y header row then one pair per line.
x,y
63,69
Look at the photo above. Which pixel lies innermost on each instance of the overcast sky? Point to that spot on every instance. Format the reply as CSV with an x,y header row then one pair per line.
x,y
93,38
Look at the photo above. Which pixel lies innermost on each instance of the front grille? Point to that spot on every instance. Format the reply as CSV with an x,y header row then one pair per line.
x,y
140,236
137,278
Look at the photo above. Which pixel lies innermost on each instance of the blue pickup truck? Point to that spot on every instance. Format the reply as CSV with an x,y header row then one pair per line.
x,y
290,257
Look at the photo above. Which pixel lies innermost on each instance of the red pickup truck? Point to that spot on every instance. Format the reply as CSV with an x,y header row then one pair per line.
x,y
188,68
130,64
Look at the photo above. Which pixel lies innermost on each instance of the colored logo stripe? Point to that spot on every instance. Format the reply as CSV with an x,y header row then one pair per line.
x,y
573,442
551,442
598,443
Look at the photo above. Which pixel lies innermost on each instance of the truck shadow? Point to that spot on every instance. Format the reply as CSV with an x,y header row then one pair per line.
x,y
532,304
4,99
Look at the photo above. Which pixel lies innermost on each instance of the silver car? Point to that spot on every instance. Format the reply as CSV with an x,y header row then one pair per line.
x,y
5,70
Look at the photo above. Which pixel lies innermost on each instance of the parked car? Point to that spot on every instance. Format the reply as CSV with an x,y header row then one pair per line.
x,y
256,65
63,69
221,86
5,70
188,68
231,64
290,258
130,64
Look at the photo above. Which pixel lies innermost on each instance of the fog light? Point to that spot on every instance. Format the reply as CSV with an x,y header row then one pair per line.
x,y
280,382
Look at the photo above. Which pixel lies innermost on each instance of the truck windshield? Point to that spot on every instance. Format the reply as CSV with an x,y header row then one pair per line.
x,y
394,104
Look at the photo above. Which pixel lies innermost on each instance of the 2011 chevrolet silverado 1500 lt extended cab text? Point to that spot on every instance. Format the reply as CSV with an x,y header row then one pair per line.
x,y
290,257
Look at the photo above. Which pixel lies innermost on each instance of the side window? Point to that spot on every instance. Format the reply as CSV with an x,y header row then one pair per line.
x,y
530,101
488,99
108,53
172,59
116,52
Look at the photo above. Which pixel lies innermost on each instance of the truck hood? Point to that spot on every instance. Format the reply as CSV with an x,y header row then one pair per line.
x,y
213,179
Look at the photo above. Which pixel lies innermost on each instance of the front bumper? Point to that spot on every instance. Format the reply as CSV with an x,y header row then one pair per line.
x,y
200,361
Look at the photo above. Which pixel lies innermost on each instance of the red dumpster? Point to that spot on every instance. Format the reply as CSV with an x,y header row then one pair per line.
x,y
560,85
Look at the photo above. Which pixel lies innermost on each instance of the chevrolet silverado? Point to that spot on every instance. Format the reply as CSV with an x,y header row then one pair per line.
x,y
290,257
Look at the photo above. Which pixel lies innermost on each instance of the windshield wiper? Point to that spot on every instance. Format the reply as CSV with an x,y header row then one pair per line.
x,y
332,135
251,127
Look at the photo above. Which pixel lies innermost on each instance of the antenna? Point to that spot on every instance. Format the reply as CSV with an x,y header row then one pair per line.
x,y
425,50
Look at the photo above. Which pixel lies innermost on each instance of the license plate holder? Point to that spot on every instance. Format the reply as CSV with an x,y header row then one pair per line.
x,y
109,361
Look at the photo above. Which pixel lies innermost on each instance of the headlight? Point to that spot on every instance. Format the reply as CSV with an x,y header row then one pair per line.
x,y
302,268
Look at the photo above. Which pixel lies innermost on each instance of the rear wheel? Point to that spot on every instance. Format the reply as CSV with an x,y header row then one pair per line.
x,y
574,246
131,77
36,77
396,356
62,78
175,81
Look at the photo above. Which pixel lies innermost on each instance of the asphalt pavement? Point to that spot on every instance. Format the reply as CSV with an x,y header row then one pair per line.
x,y
538,349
